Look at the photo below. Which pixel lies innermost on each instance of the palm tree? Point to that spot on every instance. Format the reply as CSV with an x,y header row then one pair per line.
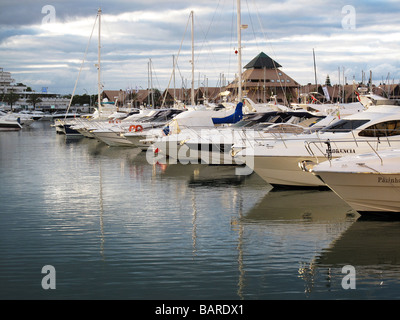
x,y
11,98
34,99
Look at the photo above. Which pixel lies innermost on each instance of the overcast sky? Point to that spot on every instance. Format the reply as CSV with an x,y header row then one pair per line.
x,y
42,43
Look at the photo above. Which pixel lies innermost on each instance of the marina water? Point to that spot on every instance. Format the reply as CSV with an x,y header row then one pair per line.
x,y
114,226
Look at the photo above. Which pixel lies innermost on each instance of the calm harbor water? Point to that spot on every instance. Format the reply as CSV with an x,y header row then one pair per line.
x,y
116,227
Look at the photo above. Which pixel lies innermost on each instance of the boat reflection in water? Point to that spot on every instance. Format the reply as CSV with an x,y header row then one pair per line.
x,y
341,238
308,205
371,247
300,225
248,239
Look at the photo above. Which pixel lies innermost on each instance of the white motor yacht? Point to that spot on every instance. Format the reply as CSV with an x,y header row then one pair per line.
x,y
214,146
280,161
369,183
188,126
114,134
34,114
8,124
87,124
22,118
276,121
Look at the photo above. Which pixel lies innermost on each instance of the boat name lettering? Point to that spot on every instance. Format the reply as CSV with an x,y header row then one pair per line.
x,y
341,151
388,180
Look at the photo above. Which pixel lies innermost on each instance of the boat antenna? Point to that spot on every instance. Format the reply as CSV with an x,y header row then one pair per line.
x,y
98,64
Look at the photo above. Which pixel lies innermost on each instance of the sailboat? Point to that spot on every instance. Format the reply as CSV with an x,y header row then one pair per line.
x,y
178,135
103,110
193,117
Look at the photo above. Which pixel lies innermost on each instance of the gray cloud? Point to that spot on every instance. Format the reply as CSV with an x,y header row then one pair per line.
x,y
135,31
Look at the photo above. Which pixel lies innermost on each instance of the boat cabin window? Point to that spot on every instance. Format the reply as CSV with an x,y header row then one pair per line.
x,y
383,129
345,125
252,119
219,107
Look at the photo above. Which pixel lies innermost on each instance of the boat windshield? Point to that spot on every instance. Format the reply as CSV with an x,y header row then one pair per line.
x,y
382,129
163,116
263,120
252,119
345,125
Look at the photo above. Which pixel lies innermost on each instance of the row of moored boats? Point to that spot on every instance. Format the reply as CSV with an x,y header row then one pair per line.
x,y
15,121
354,149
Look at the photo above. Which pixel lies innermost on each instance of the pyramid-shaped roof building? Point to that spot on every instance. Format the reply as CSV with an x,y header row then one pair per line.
x,y
262,61
264,79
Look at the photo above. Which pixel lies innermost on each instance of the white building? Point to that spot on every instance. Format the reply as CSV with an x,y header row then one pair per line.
x,y
49,101
6,83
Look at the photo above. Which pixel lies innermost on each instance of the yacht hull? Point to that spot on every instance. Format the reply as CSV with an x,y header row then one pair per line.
x,y
285,171
10,128
113,139
367,193
210,153
70,132
135,140
86,133
278,168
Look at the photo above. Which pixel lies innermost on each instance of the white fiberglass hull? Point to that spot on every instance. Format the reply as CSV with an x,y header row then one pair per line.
x,y
174,147
367,193
177,152
112,139
369,183
10,127
210,153
86,133
135,139
283,166
285,171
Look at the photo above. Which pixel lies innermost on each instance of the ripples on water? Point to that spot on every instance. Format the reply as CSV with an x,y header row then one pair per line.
x,y
116,227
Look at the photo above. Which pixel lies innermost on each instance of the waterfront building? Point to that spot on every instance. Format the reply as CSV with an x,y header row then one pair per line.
x,y
46,101
6,83
263,80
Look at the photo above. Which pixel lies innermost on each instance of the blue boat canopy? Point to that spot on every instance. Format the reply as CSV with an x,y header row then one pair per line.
x,y
233,118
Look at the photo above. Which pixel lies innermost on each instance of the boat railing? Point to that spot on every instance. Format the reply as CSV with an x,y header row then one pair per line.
x,y
316,148
355,135
373,149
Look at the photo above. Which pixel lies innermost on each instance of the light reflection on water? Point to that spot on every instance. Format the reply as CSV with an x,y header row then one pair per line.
x,y
117,227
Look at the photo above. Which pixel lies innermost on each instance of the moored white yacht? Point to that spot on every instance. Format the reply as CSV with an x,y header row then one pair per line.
x,y
214,146
34,114
369,183
86,124
22,118
9,124
280,161
188,125
114,134
193,119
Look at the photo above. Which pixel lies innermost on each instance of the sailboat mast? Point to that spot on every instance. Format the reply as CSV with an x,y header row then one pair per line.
x,y
173,71
239,31
192,90
315,72
151,82
98,64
